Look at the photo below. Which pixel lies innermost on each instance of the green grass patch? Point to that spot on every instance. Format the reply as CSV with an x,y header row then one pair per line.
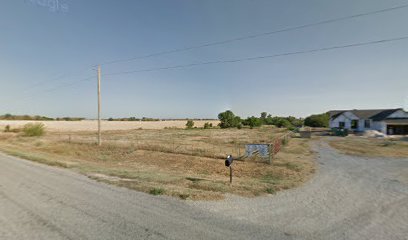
x,y
34,130
271,190
157,191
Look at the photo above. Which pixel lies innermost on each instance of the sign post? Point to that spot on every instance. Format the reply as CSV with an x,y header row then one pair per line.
x,y
228,163
230,167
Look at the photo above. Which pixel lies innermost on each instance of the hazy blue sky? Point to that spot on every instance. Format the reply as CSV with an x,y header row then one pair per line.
x,y
38,43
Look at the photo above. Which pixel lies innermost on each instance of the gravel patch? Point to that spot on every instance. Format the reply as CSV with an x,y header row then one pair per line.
x,y
349,198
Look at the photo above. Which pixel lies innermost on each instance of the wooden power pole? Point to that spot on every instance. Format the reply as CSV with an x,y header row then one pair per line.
x,y
99,106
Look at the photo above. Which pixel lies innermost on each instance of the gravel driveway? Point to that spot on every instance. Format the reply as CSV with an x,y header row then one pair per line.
x,y
349,198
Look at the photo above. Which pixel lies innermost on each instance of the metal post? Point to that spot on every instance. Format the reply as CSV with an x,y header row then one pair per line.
x,y
230,167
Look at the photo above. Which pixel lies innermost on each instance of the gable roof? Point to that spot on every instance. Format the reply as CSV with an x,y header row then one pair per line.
x,y
374,114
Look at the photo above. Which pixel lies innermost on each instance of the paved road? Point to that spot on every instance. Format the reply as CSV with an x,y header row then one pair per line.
x,y
350,198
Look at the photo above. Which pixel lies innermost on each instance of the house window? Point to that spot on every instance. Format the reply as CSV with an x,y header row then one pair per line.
x,y
342,124
354,124
367,124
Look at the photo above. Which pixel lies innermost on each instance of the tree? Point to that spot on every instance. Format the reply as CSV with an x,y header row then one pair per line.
x,y
318,120
207,125
190,124
228,119
296,122
264,115
253,122
282,122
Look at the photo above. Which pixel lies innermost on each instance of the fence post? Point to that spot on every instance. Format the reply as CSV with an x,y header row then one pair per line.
x,y
270,153
239,150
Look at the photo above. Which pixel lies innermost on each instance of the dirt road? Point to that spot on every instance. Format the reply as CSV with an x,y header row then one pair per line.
x,y
350,198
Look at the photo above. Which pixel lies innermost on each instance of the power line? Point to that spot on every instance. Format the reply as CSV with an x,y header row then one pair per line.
x,y
227,41
258,35
40,83
231,61
69,84
263,57
56,88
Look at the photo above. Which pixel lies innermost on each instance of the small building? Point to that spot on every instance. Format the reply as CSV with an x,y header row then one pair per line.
x,y
387,121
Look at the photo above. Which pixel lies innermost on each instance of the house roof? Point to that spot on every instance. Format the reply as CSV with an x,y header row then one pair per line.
x,y
374,114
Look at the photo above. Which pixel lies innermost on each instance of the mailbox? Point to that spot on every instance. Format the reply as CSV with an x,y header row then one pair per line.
x,y
229,161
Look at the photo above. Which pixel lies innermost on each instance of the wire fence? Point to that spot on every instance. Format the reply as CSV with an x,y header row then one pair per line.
x,y
200,149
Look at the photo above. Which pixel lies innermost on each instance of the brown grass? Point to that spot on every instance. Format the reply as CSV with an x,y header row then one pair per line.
x,y
371,147
91,125
158,161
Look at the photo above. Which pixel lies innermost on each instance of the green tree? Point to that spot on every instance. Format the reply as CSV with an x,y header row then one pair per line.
x,y
318,120
252,122
264,116
190,124
228,119
296,122
282,122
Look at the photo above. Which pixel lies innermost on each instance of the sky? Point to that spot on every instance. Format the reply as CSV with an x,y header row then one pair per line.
x,y
49,50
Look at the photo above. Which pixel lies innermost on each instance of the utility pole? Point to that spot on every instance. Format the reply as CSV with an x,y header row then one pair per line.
x,y
99,106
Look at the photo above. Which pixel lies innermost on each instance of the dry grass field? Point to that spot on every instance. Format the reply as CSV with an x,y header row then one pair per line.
x,y
188,164
371,147
91,125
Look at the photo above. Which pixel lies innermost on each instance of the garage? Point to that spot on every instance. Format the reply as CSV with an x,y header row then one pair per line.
x,y
397,126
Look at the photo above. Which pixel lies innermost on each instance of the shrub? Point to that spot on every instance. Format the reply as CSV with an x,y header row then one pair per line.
x,y
34,129
207,125
190,124
271,190
285,141
156,191
184,196
7,128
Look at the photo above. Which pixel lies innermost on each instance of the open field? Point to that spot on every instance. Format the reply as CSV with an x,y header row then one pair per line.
x,y
91,125
184,163
371,147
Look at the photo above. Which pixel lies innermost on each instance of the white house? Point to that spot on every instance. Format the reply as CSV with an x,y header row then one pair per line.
x,y
387,121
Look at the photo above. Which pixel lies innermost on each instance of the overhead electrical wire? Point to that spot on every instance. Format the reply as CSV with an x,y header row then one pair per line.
x,y
221,42
262,57
287,29
360,44
327,21
56,88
